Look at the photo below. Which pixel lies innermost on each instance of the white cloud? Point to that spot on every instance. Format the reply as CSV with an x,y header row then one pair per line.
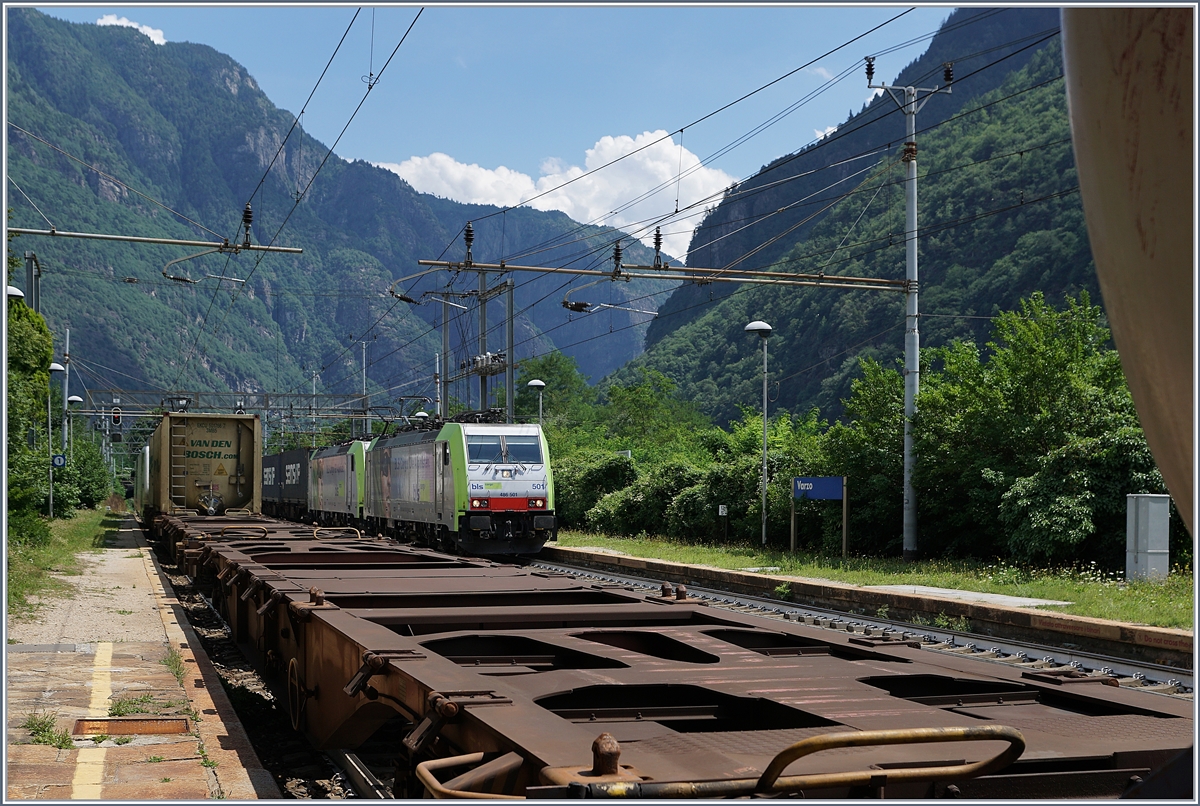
x,y
155,34
822,72
599,197
874,94
822,134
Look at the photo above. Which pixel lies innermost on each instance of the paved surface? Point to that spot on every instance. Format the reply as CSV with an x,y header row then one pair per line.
x,y
916,590
79,656
966,596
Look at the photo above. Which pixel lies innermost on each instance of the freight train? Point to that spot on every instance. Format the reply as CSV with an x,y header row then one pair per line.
x,y
471,484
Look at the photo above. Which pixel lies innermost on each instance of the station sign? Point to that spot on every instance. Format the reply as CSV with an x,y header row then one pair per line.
x,y
58,460
818,488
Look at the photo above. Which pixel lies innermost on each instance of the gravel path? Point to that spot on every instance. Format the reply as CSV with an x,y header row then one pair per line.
x,y
112,600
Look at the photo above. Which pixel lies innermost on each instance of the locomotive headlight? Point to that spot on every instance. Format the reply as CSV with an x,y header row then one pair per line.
x,y
537,503
479,503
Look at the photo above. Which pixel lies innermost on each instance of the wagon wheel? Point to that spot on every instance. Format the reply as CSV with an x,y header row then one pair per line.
x,y
297,695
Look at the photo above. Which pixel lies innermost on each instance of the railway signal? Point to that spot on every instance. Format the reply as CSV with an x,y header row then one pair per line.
x,y
116,415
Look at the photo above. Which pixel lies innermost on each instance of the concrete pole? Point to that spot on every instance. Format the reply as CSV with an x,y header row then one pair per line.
x,y
314,408
50,453
445,392
366,429
509,390
33,282
912,334
483,377
66,386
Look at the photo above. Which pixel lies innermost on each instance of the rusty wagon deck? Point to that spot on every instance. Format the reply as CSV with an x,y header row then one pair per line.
x,y
518,682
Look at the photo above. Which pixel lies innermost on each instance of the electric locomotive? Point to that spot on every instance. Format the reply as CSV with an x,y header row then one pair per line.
x,y
477,487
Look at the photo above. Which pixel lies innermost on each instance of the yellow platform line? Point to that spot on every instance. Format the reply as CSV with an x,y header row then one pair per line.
x,y
89,762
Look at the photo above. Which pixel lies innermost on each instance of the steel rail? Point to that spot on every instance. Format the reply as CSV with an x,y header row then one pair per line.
x,y
1121,666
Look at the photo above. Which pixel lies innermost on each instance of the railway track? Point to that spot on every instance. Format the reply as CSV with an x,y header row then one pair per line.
x,y
412,672
1147,677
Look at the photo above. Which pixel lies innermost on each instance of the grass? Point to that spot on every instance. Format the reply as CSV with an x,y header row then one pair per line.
x,y
32,569
1091,591
174,662
41,730
124,706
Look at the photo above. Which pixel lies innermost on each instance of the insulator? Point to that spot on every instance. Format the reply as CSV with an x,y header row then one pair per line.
x,y
658,239
469,235
870,69
617,255
247,216
948,72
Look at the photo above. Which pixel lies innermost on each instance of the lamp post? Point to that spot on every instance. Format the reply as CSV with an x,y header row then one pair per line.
x,y
54,367
763,330
539,386
73,399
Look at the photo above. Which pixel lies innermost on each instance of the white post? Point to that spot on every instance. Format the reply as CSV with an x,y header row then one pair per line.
x,y
66,382
912,336
763,330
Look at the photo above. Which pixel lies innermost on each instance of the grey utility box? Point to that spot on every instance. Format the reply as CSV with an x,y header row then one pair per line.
x,y
1146,550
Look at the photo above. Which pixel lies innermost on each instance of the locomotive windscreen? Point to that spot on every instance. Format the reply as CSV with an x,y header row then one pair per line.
x,y
484,448
526,450
507,449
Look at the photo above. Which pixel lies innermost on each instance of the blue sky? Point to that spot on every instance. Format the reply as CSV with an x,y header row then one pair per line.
x,y
496,104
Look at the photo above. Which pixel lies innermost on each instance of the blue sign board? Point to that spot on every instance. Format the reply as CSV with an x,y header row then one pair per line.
x,y
58,460
817,488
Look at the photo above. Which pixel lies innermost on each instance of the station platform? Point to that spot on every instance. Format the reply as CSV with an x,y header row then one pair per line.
x,y
116,680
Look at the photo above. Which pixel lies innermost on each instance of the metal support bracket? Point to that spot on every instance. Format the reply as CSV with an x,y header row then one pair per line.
x,y
375,662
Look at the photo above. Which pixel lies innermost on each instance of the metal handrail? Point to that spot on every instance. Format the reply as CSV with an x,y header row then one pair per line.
x,y
771,783
262,529
871,738
430,782
316,529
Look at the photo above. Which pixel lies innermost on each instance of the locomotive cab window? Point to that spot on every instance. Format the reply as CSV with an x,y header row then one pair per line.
x,y
484,448
526,450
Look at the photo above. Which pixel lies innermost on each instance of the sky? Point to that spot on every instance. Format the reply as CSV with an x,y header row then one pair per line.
x,y
501,104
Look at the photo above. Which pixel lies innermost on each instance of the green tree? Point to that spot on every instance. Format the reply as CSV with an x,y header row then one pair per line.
x,y
1030,449
869,450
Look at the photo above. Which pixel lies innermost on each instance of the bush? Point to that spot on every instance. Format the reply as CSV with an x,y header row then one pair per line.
x,y
642,506
581,480
26,528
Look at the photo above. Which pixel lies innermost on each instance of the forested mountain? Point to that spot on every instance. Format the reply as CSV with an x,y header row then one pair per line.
x,y
1000,218
184,127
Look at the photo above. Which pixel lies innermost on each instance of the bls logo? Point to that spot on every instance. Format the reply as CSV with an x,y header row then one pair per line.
x,y
291,474
268,476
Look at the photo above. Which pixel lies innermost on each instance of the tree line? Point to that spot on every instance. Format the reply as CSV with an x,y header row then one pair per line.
x,y
1026,448
85,480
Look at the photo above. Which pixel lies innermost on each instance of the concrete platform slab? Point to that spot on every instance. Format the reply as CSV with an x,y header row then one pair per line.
x,y
966,596
77,657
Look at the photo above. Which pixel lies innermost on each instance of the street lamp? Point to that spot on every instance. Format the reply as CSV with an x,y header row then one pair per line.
x,y
72,400
539,386
763,330
54,367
